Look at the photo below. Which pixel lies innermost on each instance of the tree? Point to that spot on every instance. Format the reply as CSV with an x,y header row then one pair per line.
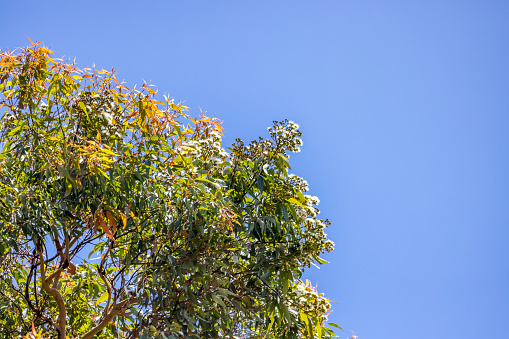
x,y
123,217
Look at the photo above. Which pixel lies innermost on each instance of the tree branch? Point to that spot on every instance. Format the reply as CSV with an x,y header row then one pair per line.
x,y
115,310
62,312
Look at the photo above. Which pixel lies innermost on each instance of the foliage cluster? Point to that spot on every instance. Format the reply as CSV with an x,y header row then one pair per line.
x,y
123,217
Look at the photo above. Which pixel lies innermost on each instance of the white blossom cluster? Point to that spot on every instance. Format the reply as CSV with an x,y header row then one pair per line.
x,y
259,146
8,118
287,134
305,298
102,107
313,234
208,150
298,182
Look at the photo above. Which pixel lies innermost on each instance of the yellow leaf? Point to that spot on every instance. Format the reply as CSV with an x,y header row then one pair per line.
x,y
124,219
319,330
295,201
83,107
102,298
107,151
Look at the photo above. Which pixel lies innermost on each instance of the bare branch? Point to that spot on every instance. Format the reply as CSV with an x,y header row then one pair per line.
x,y
115,310
62,312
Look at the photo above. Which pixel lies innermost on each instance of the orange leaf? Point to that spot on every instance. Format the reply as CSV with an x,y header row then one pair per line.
x,y
105,227
111,221
71,269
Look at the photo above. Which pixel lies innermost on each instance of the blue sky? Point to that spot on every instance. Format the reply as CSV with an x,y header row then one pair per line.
x,y
404,110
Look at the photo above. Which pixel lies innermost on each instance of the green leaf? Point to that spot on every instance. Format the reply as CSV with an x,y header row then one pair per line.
x,y
179,132
285,286
15,131
83,107
300,196
219,301
224,291
334,325
260,183
65,173
284,210
292,211
68,189
286,313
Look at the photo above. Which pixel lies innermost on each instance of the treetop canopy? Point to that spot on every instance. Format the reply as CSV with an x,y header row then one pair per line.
x,y
124,217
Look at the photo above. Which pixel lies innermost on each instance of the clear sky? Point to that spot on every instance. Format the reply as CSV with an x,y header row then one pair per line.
x,y
404,110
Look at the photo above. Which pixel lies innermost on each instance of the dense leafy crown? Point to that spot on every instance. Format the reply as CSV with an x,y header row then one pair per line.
x,y
122,217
